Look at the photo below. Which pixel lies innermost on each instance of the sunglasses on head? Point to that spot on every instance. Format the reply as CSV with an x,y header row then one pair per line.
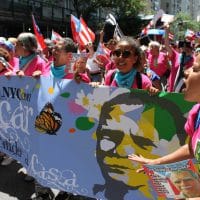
x,y
124,54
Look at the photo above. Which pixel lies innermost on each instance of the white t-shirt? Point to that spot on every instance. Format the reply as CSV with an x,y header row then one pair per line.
x,y
91,65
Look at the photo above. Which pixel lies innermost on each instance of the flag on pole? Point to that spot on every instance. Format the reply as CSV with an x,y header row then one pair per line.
x,y
55,36
110,19
118,32
146,28
38,34
87,31
75,28
152,23
81,33
171,36
102,54
103,50
190,35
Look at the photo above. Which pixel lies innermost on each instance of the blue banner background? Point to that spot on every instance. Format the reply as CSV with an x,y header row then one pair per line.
x,y
66,160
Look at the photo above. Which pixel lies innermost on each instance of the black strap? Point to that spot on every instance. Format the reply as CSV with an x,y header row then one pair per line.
x,y
138,79
182,63
112,77
180,73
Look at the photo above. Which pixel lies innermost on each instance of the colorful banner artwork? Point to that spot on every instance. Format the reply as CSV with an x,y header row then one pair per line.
x,y
77,138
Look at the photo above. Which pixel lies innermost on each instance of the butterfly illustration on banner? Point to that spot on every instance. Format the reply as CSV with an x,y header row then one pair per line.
x,y
48,121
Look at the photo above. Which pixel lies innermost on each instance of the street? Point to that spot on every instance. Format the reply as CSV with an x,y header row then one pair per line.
x,y
12,184
14,187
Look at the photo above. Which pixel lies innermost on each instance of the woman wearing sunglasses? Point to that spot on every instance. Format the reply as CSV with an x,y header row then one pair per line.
x,y
127,58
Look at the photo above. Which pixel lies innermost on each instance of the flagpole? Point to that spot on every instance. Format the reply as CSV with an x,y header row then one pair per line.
x,y
47,31
154,28
23,27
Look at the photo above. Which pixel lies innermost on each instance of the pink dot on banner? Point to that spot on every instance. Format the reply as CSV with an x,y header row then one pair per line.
x,y
75,108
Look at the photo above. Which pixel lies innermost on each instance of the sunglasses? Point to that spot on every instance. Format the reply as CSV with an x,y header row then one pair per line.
x,y
124,54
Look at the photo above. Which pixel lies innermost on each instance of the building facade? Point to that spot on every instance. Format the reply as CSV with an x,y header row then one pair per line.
x,y
15,17
195,9
175,6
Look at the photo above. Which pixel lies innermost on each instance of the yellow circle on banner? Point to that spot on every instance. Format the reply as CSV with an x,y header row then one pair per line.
x,y
51,90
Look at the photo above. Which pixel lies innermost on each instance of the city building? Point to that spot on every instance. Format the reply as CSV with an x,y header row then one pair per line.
x,y
175,6
153,5
15,17
195,9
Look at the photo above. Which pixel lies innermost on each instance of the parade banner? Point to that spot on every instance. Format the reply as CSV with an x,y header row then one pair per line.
x,y
77,138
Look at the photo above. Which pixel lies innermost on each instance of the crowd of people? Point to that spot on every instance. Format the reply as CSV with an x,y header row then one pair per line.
x,y
159,66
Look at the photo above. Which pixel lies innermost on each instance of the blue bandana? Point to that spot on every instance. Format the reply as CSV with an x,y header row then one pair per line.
x,y
125,79
58,72
24,60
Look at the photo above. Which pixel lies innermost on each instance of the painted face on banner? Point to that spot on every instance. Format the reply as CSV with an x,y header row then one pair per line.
x,y
124,129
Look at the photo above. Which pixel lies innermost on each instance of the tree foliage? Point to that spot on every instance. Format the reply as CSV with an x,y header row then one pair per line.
x,y
182,22
124,11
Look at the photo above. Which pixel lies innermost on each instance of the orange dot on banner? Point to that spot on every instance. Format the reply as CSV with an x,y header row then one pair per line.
x,y
51,90
72,130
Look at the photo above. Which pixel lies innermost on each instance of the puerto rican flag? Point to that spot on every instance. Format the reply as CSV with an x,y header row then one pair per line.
x,y
55,36
38,34
171,36
81,33
146,28
102,54
190,35
89,35
75,27
102,50
156,17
